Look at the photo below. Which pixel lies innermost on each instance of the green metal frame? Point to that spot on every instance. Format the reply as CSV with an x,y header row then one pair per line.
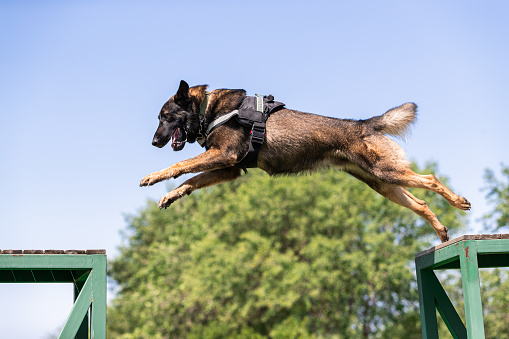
x,y
85,269
467,253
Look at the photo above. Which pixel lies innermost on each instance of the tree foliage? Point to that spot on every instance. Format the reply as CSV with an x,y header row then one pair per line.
x,y
495,282
498,195
308,256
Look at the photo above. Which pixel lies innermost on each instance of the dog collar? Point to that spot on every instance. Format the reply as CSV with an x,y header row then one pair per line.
x,y
203,108
204,104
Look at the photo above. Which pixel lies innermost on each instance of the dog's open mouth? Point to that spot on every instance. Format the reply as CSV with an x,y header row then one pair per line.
x,y
178,140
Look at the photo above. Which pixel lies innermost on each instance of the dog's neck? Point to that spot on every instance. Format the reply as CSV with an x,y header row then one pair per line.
x,y
223,101
197,95
214,104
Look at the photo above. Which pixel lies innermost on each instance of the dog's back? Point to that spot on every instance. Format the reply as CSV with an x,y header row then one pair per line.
x,y
298,141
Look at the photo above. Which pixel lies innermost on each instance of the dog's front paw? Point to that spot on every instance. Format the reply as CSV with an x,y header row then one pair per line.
x,y
151,179
169,198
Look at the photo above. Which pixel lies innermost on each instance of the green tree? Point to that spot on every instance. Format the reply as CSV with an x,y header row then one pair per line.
x,y
498,195
495,282
308,256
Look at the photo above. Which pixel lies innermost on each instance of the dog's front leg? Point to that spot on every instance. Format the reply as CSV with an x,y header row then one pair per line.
x,y
206,179
209,160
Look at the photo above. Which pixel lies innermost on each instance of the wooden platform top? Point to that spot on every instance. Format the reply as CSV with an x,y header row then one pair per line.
x,y
462,238
21,252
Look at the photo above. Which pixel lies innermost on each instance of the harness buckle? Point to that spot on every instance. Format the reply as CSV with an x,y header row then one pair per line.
x,y
258,133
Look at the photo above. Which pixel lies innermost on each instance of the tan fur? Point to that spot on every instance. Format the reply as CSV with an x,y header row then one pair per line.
x,y
397,121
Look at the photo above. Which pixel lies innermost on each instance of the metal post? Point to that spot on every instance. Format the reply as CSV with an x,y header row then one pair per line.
x,y
427,304
98,311
471,289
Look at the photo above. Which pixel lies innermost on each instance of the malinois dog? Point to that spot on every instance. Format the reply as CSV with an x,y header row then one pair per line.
x,y
294,142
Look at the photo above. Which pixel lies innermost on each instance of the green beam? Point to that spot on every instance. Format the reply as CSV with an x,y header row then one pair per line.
x,y
427,304
45,261
447,310
439,257
78,311
471,289
83,329
98,321
493,246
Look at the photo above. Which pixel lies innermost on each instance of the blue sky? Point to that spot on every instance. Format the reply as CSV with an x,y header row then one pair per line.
x,y
82,82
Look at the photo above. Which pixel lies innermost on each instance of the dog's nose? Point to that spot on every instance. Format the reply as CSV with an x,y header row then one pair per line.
x,y
155,141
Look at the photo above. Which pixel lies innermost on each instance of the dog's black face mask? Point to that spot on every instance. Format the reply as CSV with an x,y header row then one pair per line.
x,y
173,119
171,127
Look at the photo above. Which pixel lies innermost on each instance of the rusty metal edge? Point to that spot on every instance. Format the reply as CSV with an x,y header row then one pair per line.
x,y
42,252
462,238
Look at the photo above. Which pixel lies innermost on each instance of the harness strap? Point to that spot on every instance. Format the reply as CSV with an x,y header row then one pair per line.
x,y
257,136
221,120
252,113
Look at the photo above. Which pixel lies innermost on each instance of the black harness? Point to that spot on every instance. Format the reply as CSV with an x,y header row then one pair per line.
x,y
253,113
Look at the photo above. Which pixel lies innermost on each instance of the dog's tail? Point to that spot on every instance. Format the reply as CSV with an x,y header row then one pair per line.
x,y
396,122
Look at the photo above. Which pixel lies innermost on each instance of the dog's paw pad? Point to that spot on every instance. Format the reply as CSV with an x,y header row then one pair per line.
x,y
443,235
168,199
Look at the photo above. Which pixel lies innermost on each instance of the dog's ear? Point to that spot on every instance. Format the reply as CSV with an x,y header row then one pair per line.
x,y
182,95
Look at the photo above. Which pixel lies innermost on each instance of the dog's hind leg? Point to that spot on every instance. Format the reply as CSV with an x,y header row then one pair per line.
x,y
385,160
202,180
403,197
431,183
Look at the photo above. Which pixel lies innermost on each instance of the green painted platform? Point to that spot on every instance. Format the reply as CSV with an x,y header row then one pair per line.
x,y
85,269
467,253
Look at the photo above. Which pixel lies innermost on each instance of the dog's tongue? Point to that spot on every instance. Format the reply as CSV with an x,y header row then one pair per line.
x,y
175,138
